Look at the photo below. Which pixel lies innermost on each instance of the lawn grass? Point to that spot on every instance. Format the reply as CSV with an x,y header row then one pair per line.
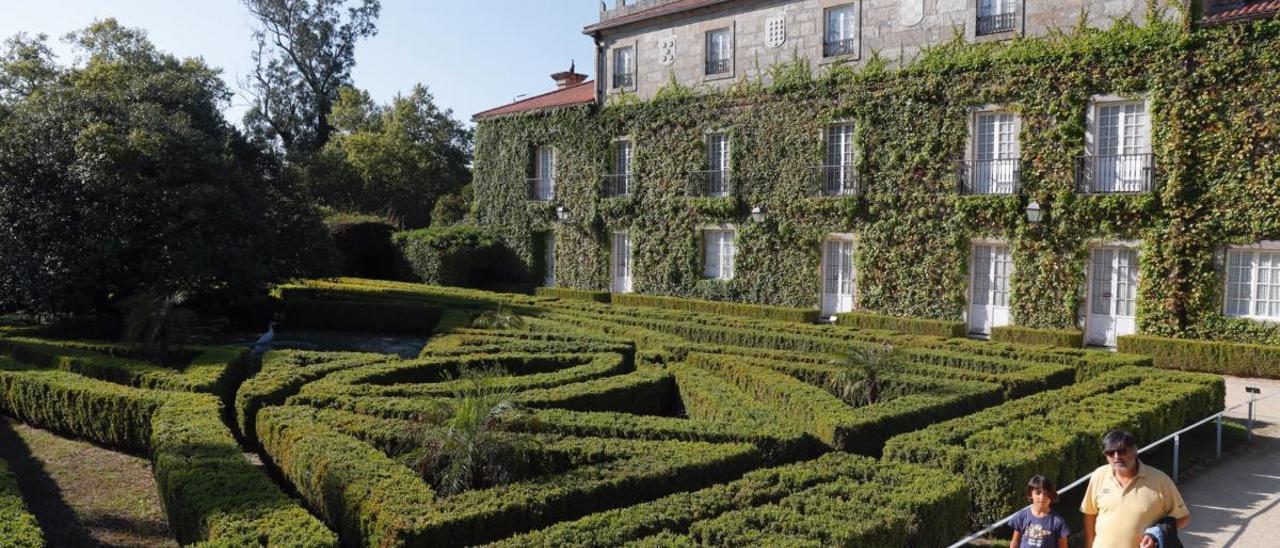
x,y
82,494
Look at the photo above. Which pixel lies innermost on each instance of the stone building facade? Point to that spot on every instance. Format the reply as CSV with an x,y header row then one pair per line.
x,y
642,45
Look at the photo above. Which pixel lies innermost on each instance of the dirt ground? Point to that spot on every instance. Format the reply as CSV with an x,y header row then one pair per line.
x,y
84,495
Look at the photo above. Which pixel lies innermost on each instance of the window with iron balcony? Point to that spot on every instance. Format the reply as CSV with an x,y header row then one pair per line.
x,y
716,181
719,52
624,68
542,185
618,183
1119,159
996,16
840,36
837,176
993,166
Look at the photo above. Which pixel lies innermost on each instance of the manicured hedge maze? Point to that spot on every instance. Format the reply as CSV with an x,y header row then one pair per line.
x,y
666,424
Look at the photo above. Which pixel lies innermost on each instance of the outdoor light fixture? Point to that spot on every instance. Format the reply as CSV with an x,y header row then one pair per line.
x,y
757,214
1034,213
562,213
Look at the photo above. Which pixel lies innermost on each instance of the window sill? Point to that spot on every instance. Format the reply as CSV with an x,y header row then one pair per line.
x,y
840,59
996,36
715,77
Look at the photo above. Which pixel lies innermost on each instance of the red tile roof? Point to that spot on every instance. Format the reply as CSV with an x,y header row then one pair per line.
x,y
1256,9
573,95
656,11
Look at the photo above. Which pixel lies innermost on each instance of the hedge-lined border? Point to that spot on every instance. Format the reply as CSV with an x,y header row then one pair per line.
x,y
915,326
1066,338
18,528
571,293
1226,358
786,314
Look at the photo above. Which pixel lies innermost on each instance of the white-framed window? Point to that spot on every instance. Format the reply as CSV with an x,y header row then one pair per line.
x,y
996,16
620,262
838,172
840,32
543,185
718,250
719,51
624,67
1253,282
995,154
619,180
718,165
1119,156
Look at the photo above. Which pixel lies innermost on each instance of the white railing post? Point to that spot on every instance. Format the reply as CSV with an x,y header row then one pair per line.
x,y
1177,448
1218,448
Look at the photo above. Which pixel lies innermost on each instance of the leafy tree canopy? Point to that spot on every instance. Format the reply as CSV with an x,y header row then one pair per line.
x,y
119,176
395,159
304,56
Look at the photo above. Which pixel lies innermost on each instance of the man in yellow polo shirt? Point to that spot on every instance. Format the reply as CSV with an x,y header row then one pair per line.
x,y
1125,497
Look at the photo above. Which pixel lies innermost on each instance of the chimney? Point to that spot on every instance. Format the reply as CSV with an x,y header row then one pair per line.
x,y
568,78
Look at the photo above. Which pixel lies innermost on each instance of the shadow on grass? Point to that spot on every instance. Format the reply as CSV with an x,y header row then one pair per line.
x,y
44,498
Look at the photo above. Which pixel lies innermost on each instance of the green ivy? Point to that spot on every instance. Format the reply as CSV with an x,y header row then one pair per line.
x,y
1215,102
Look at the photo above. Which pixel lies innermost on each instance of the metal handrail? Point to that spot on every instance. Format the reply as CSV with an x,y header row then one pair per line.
x,y
617,185
997,176
540,189
717,66
1177,444
624,80
1116,173
835,180
839,47
996,23
716,183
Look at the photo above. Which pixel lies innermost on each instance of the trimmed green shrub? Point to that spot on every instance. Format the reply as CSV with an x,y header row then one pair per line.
x,y
799,504
216,370
1067,338
1226,358
382,503
571,293
283,373
382,317
1056,433
456,255
103,412
364,246
915,326
855,429
18,528
212,494
800,315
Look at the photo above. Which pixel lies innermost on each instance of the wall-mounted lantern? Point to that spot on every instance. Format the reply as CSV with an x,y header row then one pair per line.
x,y
757,214
1034,213
562,213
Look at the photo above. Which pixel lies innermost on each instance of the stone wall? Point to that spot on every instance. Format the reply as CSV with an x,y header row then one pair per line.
x,y
896,29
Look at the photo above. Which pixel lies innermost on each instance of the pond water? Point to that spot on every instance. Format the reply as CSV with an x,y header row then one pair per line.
x,y
405,346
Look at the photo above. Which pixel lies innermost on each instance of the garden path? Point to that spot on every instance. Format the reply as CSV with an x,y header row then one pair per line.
x,y
1236,503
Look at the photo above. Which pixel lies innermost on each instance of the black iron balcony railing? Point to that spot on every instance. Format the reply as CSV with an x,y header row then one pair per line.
x,y
717,66
624,80
1002,176
617,185
1116,173
995,24
836,180
540,189
839,47
710,184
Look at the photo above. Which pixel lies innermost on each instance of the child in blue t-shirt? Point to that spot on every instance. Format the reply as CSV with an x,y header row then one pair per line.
x,y
1038,526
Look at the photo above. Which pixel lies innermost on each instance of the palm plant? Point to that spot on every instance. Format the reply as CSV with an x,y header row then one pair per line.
x,y
497,319
472,449
155,322
861,374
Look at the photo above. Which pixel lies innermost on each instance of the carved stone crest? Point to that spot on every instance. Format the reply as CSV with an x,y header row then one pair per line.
x,y
776,31
667,50
910,12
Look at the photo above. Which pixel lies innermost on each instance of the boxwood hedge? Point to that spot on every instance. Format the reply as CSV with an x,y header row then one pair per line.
x,y
18,528
1067,338
917,326
801,315
1227,358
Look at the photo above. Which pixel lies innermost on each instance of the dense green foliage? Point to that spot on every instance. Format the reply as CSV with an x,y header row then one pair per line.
x,y
802,315
1213,94
18,528
395,160
119,176
1238,359
356,316
364,244
1066,338
455,255
1056,433
919,326
571,293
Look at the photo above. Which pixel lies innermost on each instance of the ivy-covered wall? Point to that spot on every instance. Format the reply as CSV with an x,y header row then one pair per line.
x,y
1214,97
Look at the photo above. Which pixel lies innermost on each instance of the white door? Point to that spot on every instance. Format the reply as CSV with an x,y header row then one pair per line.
x,y
549,260
837,277
621,263
989,288
1113,289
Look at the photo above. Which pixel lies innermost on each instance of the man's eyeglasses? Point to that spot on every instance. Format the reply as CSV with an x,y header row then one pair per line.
x,y
1115,452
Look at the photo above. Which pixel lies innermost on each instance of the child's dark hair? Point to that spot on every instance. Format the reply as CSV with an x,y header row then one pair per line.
x,y
1044,484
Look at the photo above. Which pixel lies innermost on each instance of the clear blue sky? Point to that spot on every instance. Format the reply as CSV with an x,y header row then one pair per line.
x,y
473,55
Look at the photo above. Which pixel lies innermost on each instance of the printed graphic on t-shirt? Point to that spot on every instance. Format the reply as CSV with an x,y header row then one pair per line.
x,y
1035,536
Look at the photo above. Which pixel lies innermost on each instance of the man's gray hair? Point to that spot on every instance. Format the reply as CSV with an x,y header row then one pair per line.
x,y
1118,439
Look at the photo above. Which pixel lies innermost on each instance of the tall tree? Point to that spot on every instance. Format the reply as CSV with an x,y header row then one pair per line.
x,y
119,176
304,56
396,159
